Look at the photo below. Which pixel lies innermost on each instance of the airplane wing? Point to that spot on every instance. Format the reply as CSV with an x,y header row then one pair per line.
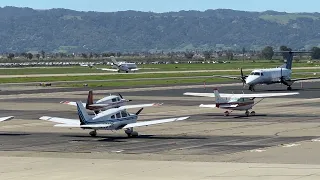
x,y
106,69
93,126
220,106
148,123
140,106
228,77
302,79
72,103
262,95
199,94
137,69
6,118
74,122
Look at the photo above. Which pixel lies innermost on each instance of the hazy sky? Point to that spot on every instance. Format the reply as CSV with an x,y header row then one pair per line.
x,y
169,5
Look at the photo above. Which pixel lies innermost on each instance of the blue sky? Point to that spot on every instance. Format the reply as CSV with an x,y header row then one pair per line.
x,y
169,5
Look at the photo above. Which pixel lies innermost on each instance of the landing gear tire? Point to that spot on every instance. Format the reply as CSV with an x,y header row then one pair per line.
x,y
247,113
253,113
251,88
226,113
127,71
93,133
289,88
131,133
118,71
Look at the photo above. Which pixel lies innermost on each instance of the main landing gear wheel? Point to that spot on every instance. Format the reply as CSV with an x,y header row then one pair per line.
x,y
131,133
253,113
226,113
93,133
127,71
251,88
289,88
247,113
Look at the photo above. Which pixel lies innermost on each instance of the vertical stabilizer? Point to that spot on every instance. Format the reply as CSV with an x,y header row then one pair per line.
x,y
289,60
82,113
217,96
115,62
89,99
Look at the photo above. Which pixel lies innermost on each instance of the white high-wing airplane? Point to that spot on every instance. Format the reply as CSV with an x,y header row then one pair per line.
x,y
108,102
112,119
6,118
281,75
236,102
121,66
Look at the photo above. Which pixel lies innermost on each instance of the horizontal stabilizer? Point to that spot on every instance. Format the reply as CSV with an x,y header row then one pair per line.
x,y
72,103
148,123
208,105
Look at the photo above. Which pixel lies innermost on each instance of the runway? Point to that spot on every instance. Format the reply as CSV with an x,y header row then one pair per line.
x,y
285,130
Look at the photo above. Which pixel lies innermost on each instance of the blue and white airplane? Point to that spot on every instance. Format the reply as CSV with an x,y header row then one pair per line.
x,y
281,75
111,119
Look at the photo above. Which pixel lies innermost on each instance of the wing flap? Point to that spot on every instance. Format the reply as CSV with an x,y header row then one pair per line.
x,y
148,123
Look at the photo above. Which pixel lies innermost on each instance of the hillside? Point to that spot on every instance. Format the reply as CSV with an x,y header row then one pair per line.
x,y
25,29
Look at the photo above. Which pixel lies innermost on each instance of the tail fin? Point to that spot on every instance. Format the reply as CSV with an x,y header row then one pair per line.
x,y
82,113
217,96
289,60
113,59
89,99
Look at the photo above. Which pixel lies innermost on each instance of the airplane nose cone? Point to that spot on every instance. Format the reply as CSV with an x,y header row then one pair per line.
x,y
251,80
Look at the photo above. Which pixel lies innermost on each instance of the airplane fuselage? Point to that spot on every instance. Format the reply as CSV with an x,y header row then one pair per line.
x,y
268,76
126,67
116,121
238,104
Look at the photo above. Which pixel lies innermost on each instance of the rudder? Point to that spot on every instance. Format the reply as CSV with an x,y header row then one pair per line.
x,y
89,99
82,113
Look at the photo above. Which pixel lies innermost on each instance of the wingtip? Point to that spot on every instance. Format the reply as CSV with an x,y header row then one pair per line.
x,y
183,118
46,118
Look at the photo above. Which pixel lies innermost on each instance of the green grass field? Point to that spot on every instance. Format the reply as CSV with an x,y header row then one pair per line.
x,y
159,67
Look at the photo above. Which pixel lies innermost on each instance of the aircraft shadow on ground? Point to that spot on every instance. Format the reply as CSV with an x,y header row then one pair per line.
x,y
106,138
13,134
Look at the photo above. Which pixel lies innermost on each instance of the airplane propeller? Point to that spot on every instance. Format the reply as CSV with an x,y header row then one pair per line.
x,y
243,78
137,113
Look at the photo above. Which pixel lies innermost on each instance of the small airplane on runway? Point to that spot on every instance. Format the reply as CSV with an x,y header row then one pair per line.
x,y
6,118
108,102
121,66
235,102
281,74
112,119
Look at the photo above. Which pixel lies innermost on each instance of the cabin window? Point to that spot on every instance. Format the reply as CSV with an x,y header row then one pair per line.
x,y
113,117
118,99
118,115
114,100
124,114
256,73
261,74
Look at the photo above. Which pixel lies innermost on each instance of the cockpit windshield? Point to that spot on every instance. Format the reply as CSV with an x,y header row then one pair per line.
x,y
256,73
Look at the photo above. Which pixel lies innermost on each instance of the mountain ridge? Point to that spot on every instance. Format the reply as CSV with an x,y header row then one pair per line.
x,y
54,30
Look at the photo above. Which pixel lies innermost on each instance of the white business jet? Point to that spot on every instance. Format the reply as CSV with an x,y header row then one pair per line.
x,y
236,102
281,75
6,118
121,66
108,102
112,119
